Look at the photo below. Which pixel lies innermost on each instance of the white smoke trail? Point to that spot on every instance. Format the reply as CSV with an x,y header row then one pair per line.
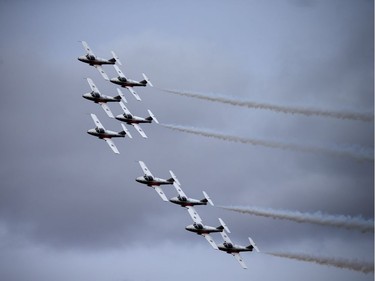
x,y
273,144
348,222
356,265
366,117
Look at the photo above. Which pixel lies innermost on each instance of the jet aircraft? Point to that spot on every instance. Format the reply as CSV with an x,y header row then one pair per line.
x,y
107,135
133,120
235,250
152,181
185,201
128,83
199,228
97,97
97,62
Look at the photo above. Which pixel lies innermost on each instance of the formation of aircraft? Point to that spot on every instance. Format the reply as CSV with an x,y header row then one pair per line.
x,y
107,135
98,98
133,120
148,179
97,62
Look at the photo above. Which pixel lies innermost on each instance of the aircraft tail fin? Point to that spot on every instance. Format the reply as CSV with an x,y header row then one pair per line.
x,y
171,180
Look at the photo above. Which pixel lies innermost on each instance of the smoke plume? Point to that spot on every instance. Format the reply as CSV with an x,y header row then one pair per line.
x,y
358,155
366,117
361,266
348,222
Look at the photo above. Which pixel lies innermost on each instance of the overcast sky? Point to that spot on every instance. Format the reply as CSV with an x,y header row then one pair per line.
x,y
70,209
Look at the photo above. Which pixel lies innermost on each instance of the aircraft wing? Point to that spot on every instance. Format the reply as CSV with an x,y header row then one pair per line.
x,y
139,129
87,48
134,93
92,86
239,259
161,193
121,94
119,72
226,237
96,121
145,169
100,69
106,109
124,108
179,190
194,215
210,240
112,145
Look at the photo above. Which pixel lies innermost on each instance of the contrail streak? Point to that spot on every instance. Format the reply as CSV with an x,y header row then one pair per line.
x,y
273,144
348,222
366,117
361,266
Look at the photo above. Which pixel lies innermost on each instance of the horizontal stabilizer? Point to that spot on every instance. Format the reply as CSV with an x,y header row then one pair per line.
x,y
208,198
148,80
126,131
224,225
174,177
116,58
253,244
121,94
152,116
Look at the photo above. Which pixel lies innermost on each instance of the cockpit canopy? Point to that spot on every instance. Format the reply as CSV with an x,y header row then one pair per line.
x,y
122,79
182,198
95,94
100,130
228,245
90,57
148,178
128,116
198,225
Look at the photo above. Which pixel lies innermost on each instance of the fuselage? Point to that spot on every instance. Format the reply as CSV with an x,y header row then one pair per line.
x,y
150,181
202,229
105,133
131,119
183,201
230,248
123,82
96,97
91,60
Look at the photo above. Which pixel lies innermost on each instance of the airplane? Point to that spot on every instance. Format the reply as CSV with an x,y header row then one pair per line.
x,y
152,181
106,135
97,97
128,83
199,228
97,62
130,119
235,250
185,201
